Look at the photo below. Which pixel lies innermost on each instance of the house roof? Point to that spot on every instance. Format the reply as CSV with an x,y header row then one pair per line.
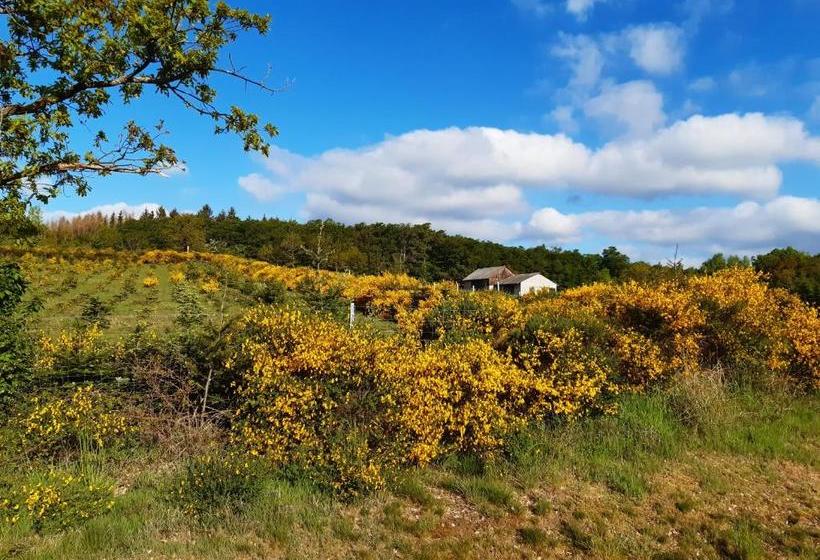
x,y
518,278
485,273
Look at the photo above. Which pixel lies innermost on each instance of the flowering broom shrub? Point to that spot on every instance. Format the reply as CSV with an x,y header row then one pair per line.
x,y
55,501
488,314
308,394
568,361
85,418
457,397
78,353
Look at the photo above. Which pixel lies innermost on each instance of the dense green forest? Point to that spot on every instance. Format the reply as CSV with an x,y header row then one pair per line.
x,y
418,250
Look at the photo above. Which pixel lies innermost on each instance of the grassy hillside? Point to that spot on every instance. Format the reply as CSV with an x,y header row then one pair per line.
x,y
202,406
65,288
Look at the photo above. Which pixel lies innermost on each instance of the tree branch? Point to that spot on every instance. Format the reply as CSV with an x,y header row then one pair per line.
x,y
68,93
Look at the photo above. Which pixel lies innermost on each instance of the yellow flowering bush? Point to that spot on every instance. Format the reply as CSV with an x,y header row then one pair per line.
x,y
487,314
384,295
58,424
150,282
176,277
70,350
55,501
459,397
568,362
303,384
210,286
211,482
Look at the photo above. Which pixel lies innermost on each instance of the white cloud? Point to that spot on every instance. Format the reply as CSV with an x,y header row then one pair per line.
x,y
656,48
584,57
474,180
814,110
581,8
105,210
260,187
698,10
636,106
552,225
539,8
174,170
543,8
706,83
748,226
564,117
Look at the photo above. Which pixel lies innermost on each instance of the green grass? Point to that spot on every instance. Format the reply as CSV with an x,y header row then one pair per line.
x,y
293,519
119,286
649,481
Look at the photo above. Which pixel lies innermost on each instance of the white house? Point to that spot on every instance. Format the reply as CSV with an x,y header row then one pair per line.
x,y
522,284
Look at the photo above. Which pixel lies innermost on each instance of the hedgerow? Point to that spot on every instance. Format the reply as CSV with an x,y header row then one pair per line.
x,y
465,370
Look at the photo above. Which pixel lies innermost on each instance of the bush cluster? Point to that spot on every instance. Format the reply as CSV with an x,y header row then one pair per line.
x,y
348,404
84,419
54,501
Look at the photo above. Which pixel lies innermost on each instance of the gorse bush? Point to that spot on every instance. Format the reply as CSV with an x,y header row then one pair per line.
x,y
85,419
55,501
76,354
211,484
350,405
304,385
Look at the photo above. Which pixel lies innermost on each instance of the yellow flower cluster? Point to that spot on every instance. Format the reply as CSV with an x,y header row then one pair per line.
x,y
55,423
348,403
76,342
150,282
176,277
210,286
313,392
58,500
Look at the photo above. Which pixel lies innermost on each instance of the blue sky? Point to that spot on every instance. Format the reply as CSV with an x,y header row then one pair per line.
x,y
577,123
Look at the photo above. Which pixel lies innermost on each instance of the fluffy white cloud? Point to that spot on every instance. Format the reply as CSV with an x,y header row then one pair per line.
x,y
564,117
260,187
636,106
105,210
584,56
706,83
656,48
748,226
581,8
474,180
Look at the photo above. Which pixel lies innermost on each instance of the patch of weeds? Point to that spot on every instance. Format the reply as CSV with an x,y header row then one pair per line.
x,y
465,464
344,528
684,504
741,542
488,495
533,536
413,489
710,480
626,480
212,484
394,519
578,537
542,506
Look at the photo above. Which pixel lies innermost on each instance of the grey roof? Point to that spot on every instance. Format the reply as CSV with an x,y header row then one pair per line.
x,y
518,278
484,273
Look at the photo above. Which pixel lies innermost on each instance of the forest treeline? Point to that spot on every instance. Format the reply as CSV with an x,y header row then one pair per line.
x,y
417,250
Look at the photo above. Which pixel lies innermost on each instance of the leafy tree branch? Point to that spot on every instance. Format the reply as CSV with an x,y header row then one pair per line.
x,y
63,63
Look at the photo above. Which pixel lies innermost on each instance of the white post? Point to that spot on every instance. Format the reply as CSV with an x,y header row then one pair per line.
x,y
352,313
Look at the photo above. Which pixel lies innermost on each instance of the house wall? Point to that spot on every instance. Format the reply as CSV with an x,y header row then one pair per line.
x,y
536,283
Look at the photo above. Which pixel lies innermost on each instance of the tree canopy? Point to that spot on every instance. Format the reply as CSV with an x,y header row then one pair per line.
x,y
63,63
